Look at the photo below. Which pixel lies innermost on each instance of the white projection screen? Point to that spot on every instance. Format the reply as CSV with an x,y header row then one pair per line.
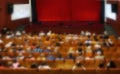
x,y
109,13
20,11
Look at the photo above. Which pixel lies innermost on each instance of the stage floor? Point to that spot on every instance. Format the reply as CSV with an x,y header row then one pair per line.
x,y
66,27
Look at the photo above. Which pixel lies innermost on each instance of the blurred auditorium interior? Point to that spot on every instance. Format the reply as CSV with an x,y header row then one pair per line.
x,y
63,18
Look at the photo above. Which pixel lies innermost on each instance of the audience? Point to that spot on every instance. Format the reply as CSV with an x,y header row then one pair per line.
x,y
52,46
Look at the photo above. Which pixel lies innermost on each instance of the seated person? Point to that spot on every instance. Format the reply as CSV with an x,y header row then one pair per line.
x,y
101,65
6,57
49,33
98,49
9,44
87,33
107,43
33,65
79,51
99,56
30,57
9,35
80,56
70,56
59,56
18,34
88,53
50,57
21,67
82,33
5,30
95,37
105,35
43,65
56,49
41,33
78,65
111,64
41,57
37,49
15,64
88,42
110,42
20,56
47,50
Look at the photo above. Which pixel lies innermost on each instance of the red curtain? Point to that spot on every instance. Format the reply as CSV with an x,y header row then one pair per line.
x,y
68,10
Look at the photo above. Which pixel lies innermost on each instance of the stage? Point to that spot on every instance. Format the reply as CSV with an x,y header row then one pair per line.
x,y
66,27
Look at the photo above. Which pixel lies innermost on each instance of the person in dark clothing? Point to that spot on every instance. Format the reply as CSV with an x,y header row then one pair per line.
x,y
5,30
78,65
71,56
34,65
111,64
101,65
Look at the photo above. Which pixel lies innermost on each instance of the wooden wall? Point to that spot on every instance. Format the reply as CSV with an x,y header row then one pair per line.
x,y
5,18
115,24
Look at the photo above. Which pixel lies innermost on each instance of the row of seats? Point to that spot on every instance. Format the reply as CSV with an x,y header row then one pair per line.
x,y
63,64
59,71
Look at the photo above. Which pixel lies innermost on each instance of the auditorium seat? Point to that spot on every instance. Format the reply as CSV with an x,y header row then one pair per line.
x,y
114,71
59,64
89,63
69,63
42,71
117,62
19,71
80,71
66,71
31,71
115,55
55,71
29,62
102,71
10,71
51,63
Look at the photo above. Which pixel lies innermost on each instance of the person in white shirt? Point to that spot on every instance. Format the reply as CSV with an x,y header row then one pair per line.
x,y
43,65
9,44
87,33
49,33
18,33
41,33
